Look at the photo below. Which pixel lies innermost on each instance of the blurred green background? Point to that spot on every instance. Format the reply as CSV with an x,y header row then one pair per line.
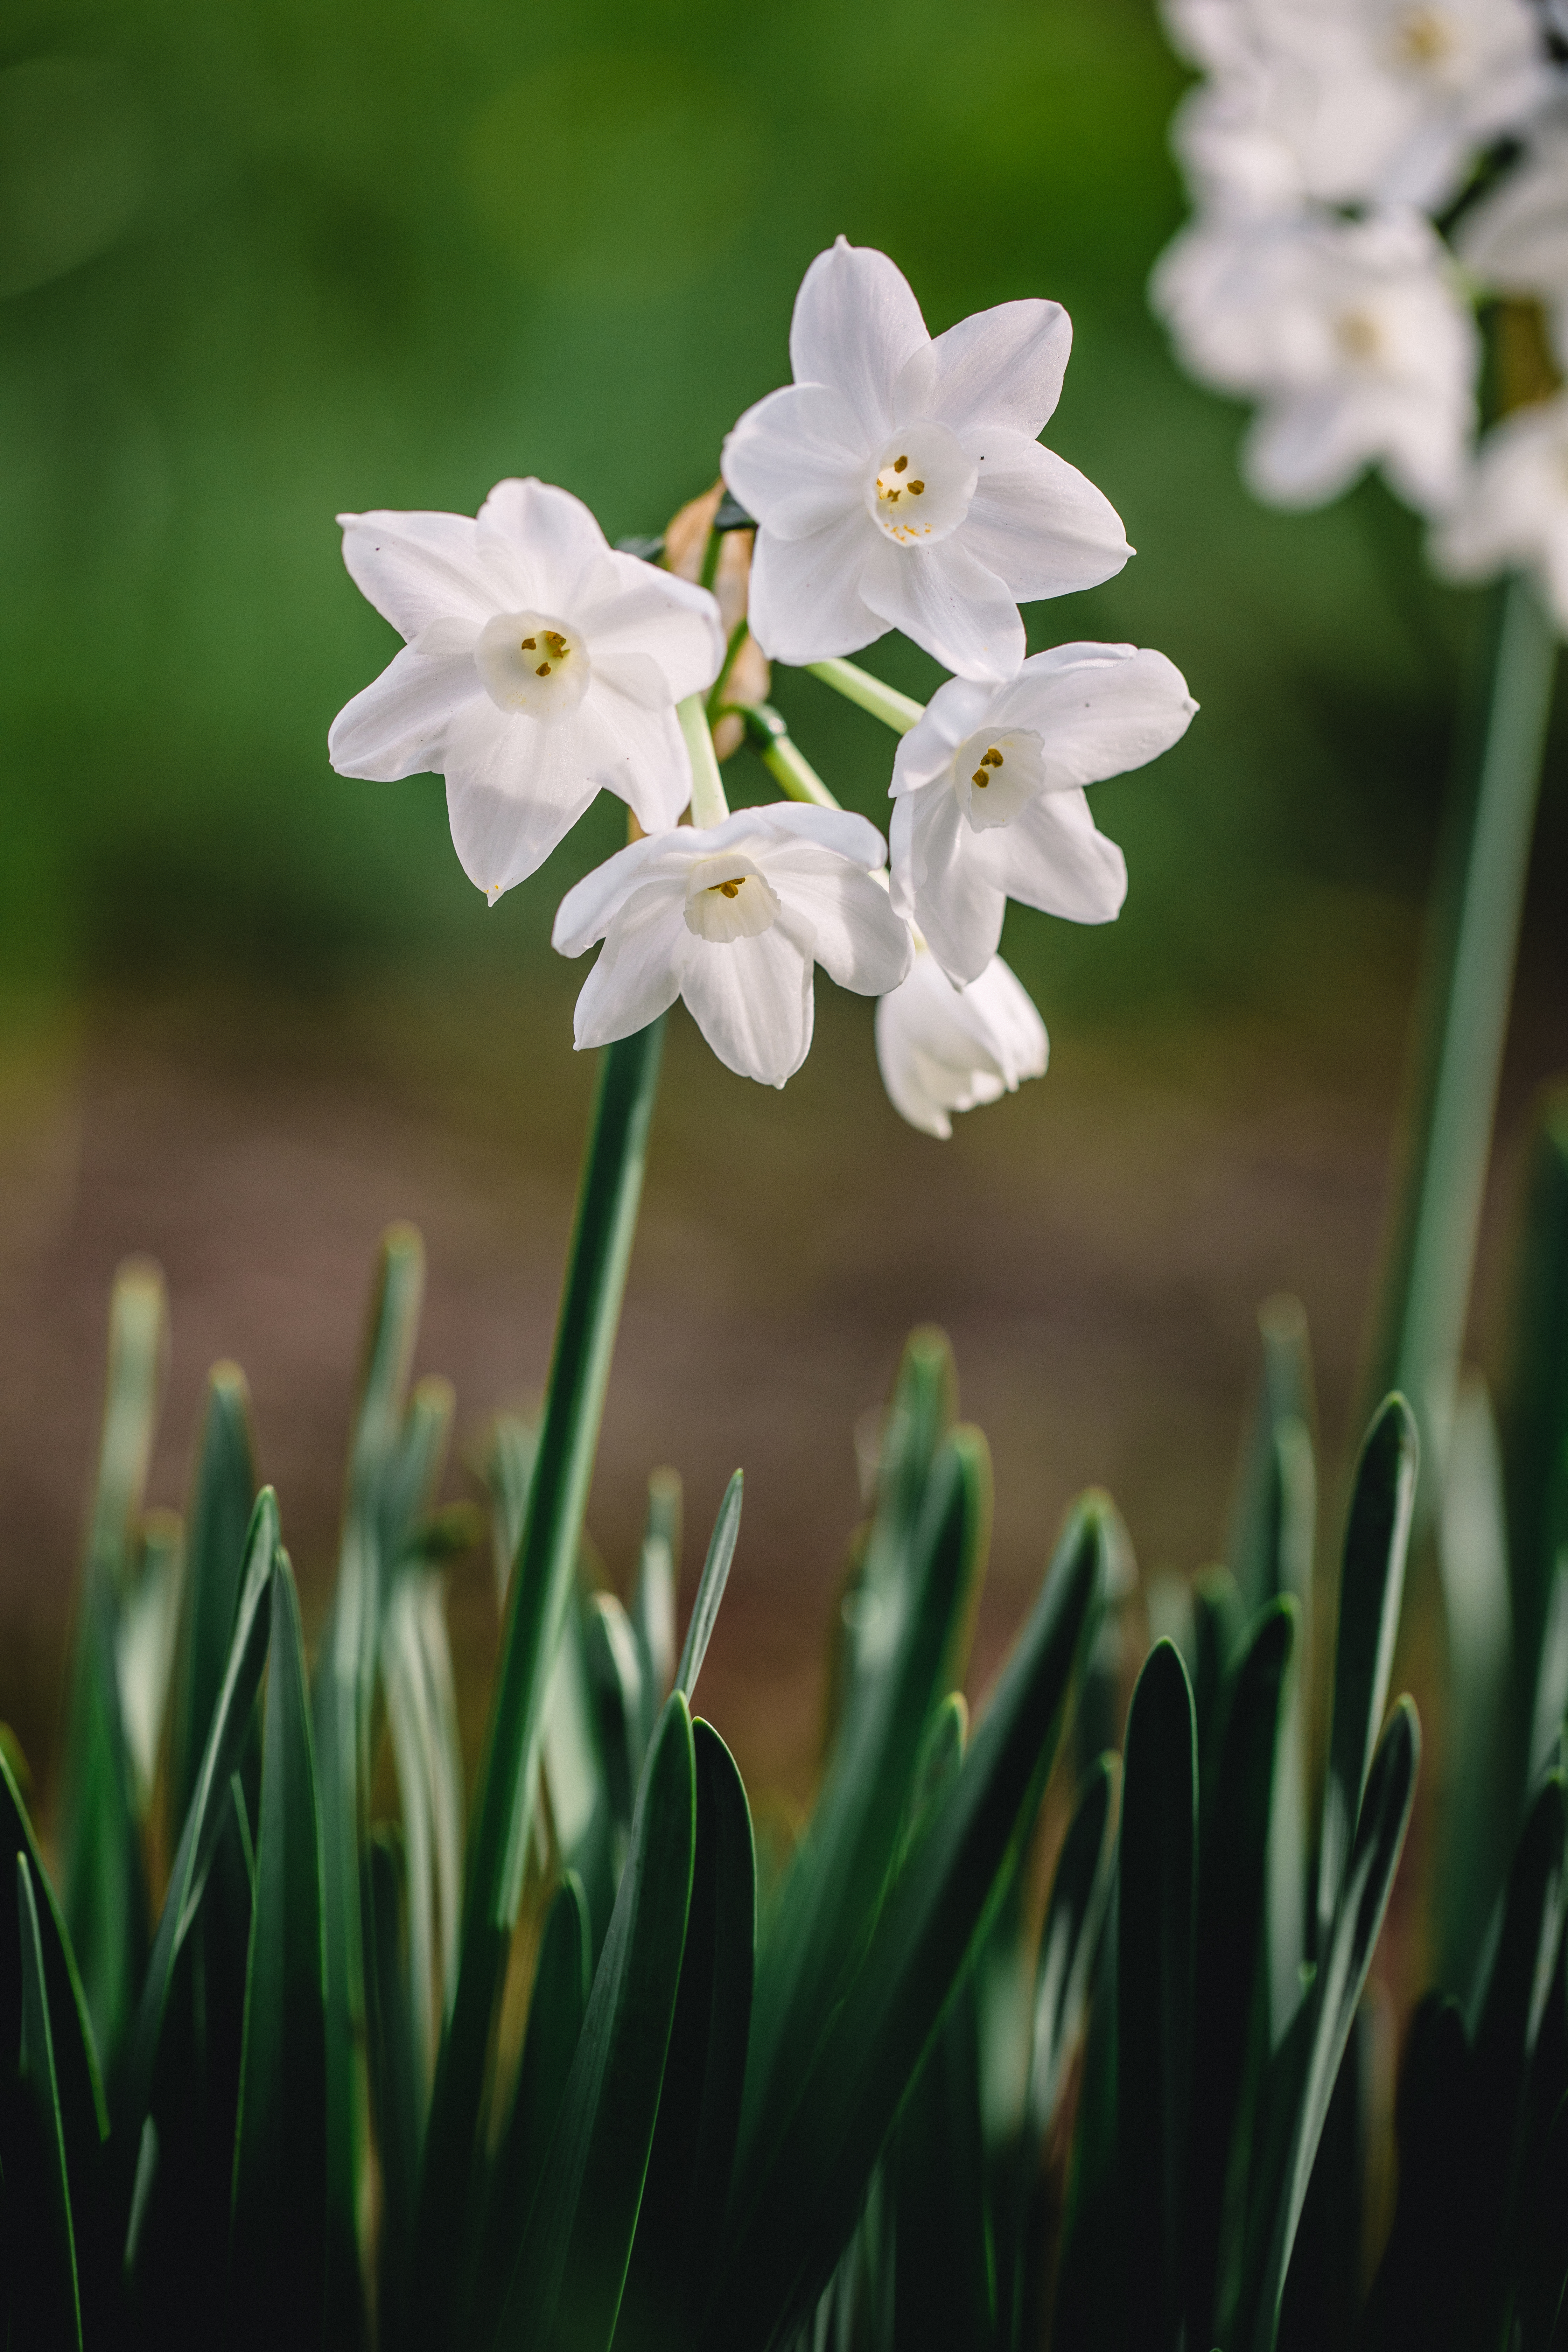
x,y
263,262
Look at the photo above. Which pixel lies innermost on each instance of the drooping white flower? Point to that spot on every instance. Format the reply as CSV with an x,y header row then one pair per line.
x,y
1515,241
1352,337
988,794
1514,512
1377,101
541,667
941,1048
900,482
731,918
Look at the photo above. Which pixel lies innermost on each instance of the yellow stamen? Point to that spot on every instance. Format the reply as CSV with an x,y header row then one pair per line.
x,y
543,670
980,778
899,465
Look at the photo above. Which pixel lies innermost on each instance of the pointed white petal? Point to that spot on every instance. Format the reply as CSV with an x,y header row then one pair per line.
x,y
943,1049
638,973
1000,369
1039,524
806,599
548,544
1097,710
955,712
752,1000
945,599
419,568
638,753
514,788
401,723
860,941
647,614
797,459
591,906
838,830
855,322
1058,860
1304,453
947,878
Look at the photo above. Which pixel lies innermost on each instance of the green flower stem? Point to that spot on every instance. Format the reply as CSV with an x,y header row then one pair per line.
x,y
784,759
900,711
708,806
738,636
538,1598
1468,984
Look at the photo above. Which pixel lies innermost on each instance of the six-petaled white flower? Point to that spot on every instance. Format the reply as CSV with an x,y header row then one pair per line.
x,y
540,666
943,1049
1514,512
989,798
900,482
1350,334
731,918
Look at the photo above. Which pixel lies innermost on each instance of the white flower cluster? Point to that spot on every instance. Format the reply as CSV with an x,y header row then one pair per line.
x,y
898,482
1325,145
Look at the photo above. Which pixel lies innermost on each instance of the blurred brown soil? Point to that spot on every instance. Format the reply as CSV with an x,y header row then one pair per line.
x,y
1096,1247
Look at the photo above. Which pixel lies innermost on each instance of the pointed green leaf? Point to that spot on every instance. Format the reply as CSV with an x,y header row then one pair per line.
x,y
653,1601
222,1498
393,2063
615,1677
710,1590
566,2291
45,2264
422,1718
84,2119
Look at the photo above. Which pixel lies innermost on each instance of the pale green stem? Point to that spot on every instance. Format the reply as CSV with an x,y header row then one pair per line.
x,y
781,757
1469,982
900,711
708,806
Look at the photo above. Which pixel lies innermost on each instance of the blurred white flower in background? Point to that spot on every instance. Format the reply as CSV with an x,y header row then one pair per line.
x,y
943,1049
731,918
1352,337
988,794
1515,240
540,668
1514,514
900,482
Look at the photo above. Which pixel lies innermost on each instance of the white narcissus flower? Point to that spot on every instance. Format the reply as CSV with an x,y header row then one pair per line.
x,y
941,1048
1514,512
1350,334
541,667
731,919
1516,239
900,483
988,794
1378,101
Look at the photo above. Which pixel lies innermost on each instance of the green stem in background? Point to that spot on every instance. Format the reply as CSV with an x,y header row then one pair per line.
x,y
784,762
1468,980
738,636
539,1595
708,806
900,711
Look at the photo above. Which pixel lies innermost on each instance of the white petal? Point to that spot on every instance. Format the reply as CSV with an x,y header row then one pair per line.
x,y
401,723
1097,710
1039,523
806,599
860,941
797,459
514,790
752,1000
855,322
947,879
639,969
1000,369
551,548
838,830
636,754
943,1049
645,613
1304,453
1057,860
955,712
419,568
947,601
591,906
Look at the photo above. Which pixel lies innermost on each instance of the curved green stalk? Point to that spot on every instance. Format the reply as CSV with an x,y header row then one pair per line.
x,y
1469,982
708,806
781,757
900,711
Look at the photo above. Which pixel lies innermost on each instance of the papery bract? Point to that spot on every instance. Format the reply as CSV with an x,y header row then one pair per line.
x,y
989,798
541,667
731,919
943,1049
1514,511
1350,334
900,482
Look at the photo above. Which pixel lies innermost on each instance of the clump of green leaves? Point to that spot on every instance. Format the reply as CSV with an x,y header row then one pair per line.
x,y
275,2071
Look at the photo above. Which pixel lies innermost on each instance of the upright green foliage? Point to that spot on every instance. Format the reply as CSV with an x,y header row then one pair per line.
x,y
1535,1453
50,2313
222,1494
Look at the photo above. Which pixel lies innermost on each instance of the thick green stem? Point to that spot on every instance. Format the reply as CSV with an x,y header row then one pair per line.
x,y
782,759
538,1598
900,711
1468,985
708,806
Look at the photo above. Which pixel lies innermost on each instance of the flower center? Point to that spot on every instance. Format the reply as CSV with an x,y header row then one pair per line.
x,y
1359,336
922,484
1423,38
994,776
533,663
727,900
